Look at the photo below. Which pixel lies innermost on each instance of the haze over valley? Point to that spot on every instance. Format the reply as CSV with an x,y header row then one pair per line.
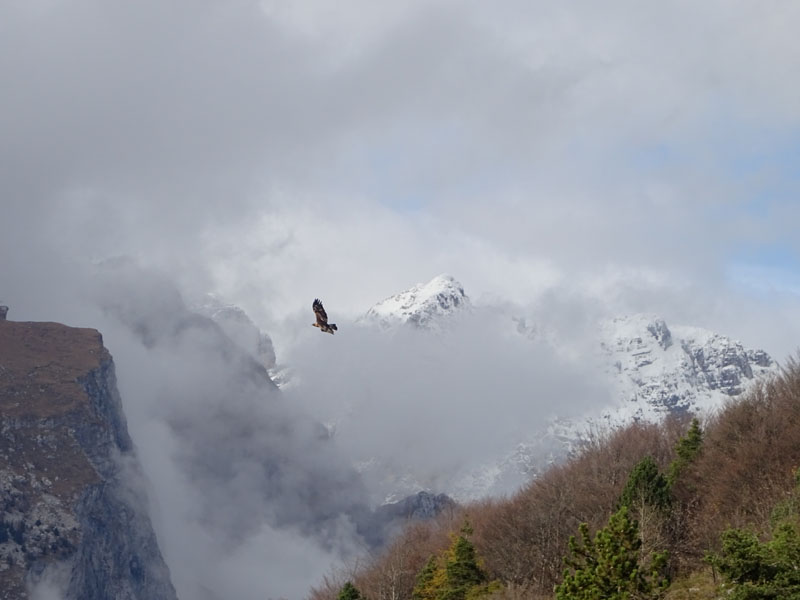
x,y
529,222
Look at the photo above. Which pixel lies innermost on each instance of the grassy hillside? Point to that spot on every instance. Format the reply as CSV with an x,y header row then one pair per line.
x,y
733,482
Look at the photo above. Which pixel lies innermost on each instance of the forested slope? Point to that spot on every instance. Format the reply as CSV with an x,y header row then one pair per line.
x,y
677,510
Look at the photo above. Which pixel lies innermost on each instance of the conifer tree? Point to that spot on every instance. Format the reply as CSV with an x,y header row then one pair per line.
x,y
687,449
647,496
461,567
608,566
646,486
457,575
429,581
349,592
761,571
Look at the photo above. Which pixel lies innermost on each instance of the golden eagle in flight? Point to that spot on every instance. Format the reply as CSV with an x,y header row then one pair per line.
x,y
322,318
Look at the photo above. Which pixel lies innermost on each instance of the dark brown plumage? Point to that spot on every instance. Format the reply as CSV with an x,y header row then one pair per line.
x,y
322,318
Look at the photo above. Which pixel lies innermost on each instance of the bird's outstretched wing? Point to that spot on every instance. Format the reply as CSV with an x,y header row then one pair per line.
x,y
319,311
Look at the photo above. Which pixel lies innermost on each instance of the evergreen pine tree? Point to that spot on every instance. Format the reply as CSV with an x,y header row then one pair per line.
x,y
761,570
429,581
461,567
687,449
457,575
608,566
349,592
647,498
646,486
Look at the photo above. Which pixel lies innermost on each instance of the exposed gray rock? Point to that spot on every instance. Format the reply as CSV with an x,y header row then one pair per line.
x,y
657,370
721,364
658,328
423,505
74,515
389,519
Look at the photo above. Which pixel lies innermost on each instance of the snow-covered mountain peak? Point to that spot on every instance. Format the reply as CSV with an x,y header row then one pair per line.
x,y
641,330
658,369
423,305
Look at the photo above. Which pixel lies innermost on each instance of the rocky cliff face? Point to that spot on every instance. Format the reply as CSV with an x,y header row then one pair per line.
x,y
73,518
389,519
656,369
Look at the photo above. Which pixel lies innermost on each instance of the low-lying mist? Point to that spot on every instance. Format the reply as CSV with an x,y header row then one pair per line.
x,y
258,492
435,407
250,496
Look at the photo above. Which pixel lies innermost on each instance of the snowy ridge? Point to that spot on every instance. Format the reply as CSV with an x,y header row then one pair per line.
x,y
651,369
425,305
657,370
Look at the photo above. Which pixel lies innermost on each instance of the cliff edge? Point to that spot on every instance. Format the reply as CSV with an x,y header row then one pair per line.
x,y
73,515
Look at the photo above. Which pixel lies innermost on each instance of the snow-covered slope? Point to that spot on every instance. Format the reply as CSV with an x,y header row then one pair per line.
x,y
656,369
425,305
651,370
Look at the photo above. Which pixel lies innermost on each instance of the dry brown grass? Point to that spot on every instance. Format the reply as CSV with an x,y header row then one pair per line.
x,y
40,364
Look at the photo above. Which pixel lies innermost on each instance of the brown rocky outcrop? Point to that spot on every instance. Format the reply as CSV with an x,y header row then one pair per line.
x,y
71,513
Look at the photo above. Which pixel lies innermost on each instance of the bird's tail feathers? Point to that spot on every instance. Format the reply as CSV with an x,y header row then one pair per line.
x,y
333,326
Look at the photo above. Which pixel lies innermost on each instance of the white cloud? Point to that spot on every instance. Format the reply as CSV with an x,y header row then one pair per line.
x,y
571,159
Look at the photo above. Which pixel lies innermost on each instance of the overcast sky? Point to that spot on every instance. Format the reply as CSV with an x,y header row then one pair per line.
x,y
614,157
276,151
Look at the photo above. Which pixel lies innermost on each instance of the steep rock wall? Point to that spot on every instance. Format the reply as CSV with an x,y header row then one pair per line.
x,y
73,515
